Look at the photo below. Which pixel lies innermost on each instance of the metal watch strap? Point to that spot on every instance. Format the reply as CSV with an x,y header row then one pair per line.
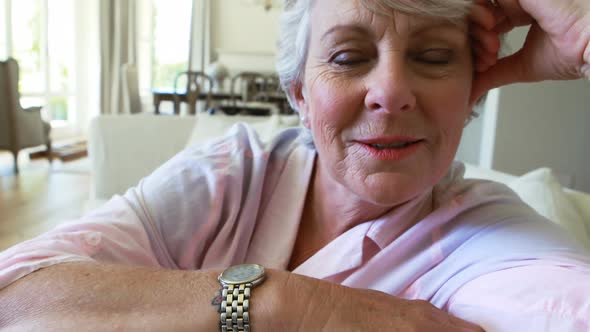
x,y
234,308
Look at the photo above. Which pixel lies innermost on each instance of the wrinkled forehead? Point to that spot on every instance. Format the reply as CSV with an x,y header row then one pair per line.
x,y
403,15
447,9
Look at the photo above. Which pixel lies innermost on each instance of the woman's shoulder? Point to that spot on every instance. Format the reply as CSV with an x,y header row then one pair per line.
x,y
221,182
495,212
238,162
481,204
249,140
244,147
454,186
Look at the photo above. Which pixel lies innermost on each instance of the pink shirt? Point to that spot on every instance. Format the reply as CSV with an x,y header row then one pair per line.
x,y
481,254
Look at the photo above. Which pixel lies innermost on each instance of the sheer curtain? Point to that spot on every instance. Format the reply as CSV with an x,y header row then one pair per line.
x,y
118,44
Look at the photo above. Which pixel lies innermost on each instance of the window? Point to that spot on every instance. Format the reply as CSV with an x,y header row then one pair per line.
x,y
171,40
3,31
164,38
40,35
61,60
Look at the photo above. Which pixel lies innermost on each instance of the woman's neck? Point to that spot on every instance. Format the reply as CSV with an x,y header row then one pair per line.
x,y
334,208
330,210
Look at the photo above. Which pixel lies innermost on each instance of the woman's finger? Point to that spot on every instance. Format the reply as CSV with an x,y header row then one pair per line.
x,y
482,14
489,39
513,10
484,57
507,70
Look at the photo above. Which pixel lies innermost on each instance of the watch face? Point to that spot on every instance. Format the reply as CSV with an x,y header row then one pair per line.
x,y
240,274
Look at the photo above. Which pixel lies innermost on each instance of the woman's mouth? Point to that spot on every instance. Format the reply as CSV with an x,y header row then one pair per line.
x,y
396,145
392,149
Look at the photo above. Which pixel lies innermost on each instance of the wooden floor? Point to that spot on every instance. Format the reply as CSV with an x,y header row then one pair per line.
x,y
41,197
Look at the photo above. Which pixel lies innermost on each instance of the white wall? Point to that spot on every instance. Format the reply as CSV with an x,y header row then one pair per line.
x,y
545,124
237,25
541,124
469,149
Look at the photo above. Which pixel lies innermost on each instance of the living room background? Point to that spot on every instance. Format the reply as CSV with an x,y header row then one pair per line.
x,y
57,45
50,41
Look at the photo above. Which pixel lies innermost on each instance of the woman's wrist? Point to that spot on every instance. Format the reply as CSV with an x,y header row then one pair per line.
x,y
290,302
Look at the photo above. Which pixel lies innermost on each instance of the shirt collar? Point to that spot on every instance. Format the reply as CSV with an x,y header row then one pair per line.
x,y
390,226
342,254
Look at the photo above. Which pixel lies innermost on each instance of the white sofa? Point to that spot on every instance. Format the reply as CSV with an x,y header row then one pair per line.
x,y
125,148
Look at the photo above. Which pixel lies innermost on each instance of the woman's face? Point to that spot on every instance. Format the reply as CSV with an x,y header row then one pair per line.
x,y
386,98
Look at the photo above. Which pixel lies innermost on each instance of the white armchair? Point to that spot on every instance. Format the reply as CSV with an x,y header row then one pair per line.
x,y
19,128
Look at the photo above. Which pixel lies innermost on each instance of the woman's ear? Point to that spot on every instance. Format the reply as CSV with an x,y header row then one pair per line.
x,y
298,92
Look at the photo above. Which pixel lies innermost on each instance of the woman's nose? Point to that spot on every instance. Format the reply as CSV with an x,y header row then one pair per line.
x,y
389,89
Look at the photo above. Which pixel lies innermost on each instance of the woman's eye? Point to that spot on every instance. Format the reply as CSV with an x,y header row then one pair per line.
x,y
439,56
348,59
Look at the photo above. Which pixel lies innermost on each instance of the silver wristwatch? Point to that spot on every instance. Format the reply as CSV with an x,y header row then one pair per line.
x,y
237,282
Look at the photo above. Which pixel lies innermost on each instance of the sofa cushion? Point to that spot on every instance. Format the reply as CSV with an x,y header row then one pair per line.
x,y
212,126
541,190
125,148
582,202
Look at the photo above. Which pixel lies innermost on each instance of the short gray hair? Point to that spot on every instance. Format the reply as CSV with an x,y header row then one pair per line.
x,y
294,31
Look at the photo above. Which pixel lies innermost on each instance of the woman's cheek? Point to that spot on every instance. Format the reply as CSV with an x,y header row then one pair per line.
x,y
334,107
326,136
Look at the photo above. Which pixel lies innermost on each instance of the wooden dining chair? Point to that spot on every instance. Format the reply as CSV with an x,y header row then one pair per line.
x,y
196,83
246,86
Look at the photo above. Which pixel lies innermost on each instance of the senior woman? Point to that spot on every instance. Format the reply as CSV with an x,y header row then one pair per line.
x,y
361,220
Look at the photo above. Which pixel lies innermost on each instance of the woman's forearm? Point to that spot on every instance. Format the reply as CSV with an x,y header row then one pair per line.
x,y
86,296
91,297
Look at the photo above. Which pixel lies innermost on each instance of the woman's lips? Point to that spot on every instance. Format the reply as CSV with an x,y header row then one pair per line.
x,y
391,148
389,140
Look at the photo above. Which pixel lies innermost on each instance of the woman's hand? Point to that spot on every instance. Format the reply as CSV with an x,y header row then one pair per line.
x,y
557,46
366,310
338,308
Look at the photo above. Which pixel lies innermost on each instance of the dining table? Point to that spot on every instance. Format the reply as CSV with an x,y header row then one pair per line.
x,y
176,97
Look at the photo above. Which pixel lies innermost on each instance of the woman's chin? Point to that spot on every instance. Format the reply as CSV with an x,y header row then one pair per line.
x,y
383,190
